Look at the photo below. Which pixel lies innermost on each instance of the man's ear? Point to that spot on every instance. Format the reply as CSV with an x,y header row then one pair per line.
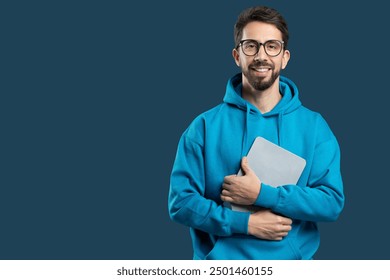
x,y
236,57
285,58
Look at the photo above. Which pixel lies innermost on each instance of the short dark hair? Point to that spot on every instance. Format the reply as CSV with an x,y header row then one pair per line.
x,y
263,14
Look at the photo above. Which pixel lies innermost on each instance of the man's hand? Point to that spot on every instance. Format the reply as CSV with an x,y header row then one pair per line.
x,y
242,190
267,225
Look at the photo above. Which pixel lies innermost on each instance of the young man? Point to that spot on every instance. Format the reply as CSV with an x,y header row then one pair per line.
x,y
257,102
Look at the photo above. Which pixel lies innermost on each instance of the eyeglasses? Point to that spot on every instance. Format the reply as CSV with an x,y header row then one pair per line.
x,y
251,47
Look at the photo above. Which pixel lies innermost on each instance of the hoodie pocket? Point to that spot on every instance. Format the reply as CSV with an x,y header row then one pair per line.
x,y
294,248
251,248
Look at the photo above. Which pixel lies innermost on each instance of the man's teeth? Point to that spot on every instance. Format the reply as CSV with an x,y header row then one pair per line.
x,y
261,69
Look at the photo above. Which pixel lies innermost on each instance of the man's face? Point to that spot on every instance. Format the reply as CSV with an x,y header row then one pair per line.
x,y
261,71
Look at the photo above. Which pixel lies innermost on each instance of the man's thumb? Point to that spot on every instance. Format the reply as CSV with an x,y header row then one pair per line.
x,y
245,166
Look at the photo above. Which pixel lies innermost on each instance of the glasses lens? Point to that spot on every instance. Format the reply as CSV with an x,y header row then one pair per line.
x,y
250,47
273,47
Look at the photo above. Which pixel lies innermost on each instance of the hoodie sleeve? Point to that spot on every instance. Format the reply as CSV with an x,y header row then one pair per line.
x,y
187,203
322,199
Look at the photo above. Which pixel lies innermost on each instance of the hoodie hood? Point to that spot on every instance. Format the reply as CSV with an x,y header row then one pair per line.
x,y
289,103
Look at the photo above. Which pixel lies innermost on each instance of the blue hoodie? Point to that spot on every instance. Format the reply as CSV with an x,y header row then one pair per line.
x,y
212,147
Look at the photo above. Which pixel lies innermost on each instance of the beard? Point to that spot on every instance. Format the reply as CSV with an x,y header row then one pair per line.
x,y
260,83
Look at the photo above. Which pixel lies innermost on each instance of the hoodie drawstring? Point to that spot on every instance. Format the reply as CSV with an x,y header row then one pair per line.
x,y
245,137
280,122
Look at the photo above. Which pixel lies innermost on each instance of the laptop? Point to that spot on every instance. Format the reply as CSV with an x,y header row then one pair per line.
x,y
274,165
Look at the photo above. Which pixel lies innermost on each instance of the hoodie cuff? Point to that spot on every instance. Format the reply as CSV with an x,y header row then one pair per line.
x,y
239,222
268,196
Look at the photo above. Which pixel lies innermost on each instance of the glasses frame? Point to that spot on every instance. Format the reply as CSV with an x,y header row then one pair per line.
x,y
259,44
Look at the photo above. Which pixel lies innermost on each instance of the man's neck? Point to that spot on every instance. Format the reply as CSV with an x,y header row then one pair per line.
x,y
264,100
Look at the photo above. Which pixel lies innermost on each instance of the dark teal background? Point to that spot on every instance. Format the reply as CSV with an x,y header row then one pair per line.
x,y
95,95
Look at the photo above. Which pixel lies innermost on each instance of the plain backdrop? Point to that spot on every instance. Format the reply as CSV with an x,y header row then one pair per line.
x,y
96,94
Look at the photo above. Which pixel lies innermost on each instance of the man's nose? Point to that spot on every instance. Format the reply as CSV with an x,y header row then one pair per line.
x,y
261,54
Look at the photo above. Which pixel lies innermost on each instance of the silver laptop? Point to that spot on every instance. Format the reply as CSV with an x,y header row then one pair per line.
x,y
275,166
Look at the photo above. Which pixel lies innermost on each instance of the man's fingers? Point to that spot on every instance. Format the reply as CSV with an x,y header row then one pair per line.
x,y
285,228
286,221
226,187
226,198
281,233
225,192
229,179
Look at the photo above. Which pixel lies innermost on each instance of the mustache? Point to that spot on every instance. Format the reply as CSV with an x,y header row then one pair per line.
x,y
261,64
